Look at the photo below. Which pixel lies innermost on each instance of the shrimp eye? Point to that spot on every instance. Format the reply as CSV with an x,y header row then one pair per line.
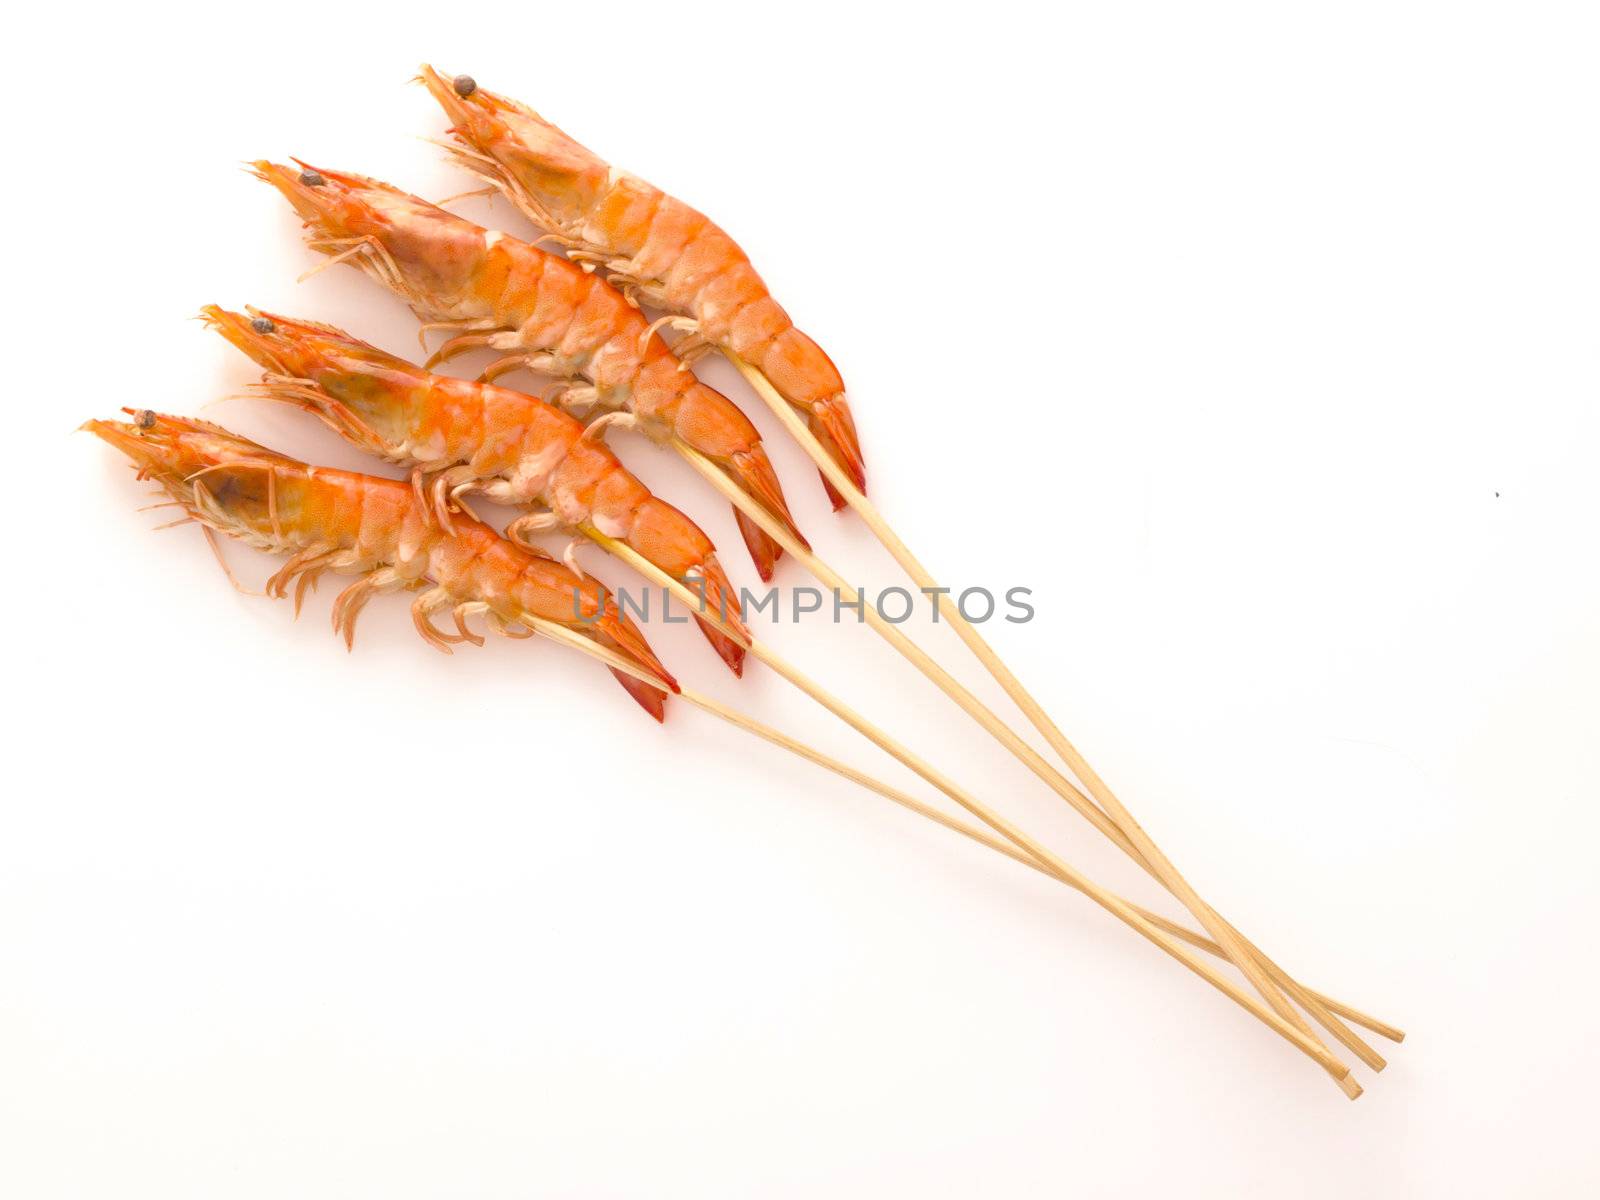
x,y
465,85
144,419
262,325
312,179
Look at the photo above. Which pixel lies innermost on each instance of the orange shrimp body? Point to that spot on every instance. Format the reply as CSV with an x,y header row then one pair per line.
x,y
347,523
469,437
673,257
544,312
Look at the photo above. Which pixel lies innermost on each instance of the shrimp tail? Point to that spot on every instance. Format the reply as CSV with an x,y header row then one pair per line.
x,y
673,543
727,649
764,552
834,427
801,372
721,599
652,699
753,470
621,634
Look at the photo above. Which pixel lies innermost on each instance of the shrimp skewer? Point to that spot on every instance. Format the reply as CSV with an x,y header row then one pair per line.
x,y
385,405
340,521
675,258
656,247
426,246
464,437
420,251
348,523
542,311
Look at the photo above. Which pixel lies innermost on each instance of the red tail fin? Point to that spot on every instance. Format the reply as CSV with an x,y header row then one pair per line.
x,y
653,700
753,470
764,552
625,637
833,426
723,601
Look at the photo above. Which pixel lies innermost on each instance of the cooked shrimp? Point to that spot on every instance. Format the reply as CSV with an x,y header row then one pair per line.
x,y
339,521
543,311
464,437
656,247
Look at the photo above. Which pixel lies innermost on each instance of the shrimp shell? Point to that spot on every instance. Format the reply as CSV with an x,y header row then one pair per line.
x,y
348,523
540,311
462,437
670,255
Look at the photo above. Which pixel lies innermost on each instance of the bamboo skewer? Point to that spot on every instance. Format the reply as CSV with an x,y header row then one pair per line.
x,y
767,733
1111,902
1241,950
1219,929
733,716
1307,1043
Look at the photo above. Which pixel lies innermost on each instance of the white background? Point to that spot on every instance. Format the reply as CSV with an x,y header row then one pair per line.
x,y
1261,343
